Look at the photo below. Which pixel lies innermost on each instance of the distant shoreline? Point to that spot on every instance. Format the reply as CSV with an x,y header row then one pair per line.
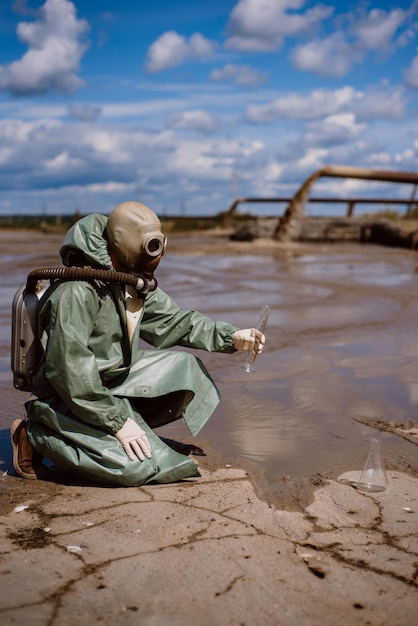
x,y
254,233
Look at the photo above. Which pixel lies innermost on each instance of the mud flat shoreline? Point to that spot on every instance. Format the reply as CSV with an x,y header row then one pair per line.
x,y
208,551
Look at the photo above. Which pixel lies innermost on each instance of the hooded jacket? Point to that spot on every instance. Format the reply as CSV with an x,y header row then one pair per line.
x,y
92,371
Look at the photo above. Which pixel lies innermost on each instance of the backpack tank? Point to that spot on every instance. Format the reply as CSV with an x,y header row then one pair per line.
x,y
26,349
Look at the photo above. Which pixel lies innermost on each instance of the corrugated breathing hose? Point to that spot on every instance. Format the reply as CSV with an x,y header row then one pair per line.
x,y
143,284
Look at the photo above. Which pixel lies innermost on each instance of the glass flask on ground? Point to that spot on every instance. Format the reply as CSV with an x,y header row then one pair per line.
x,y
373,477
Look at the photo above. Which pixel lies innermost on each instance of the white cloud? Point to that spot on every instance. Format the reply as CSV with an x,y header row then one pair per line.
x,y
262,25
47,155
411,73
94,164
172,49
139,109
333,56
62,160
376,30
213,159
380,159
53,58
318,103
169,50
405,157
273,172
20,6
84,112
146,135
200,121
379,103
335,129
376,102
239,74
200,47
312,159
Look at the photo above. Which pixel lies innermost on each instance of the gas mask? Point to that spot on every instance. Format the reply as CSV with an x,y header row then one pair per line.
x,y
134,233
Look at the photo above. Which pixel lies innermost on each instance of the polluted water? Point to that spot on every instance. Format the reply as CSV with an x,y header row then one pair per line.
x,y
341,347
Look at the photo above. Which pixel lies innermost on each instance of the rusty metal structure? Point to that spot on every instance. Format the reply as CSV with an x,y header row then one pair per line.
x,y
288,226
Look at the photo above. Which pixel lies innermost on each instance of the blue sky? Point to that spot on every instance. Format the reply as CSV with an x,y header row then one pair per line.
x,y
186,104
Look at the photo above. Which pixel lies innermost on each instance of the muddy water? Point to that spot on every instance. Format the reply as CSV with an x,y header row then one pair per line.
x,y
342,348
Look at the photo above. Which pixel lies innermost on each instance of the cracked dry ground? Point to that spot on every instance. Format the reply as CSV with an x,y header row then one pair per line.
x,y
207,552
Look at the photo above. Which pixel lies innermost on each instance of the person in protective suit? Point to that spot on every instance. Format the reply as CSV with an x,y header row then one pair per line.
x,y
97,396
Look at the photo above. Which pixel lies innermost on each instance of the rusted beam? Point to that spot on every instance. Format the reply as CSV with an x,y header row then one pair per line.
x,y
340,171
325,200
351,202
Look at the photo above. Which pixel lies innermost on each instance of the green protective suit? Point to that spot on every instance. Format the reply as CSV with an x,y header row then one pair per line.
x,y
94,377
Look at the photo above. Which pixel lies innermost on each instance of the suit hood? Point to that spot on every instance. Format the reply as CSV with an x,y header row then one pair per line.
x,y
85,243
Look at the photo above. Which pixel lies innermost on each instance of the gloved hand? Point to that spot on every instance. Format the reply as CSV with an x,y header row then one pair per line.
x,y
249,339
134,440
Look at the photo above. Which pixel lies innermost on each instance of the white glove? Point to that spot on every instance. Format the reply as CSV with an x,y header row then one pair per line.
x,y
249,339
134,440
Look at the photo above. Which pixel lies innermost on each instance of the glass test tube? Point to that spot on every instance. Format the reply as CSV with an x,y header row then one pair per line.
x,y
248,365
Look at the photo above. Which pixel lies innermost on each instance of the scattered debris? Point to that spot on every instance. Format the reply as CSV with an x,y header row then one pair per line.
x,y
20,508
74,549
